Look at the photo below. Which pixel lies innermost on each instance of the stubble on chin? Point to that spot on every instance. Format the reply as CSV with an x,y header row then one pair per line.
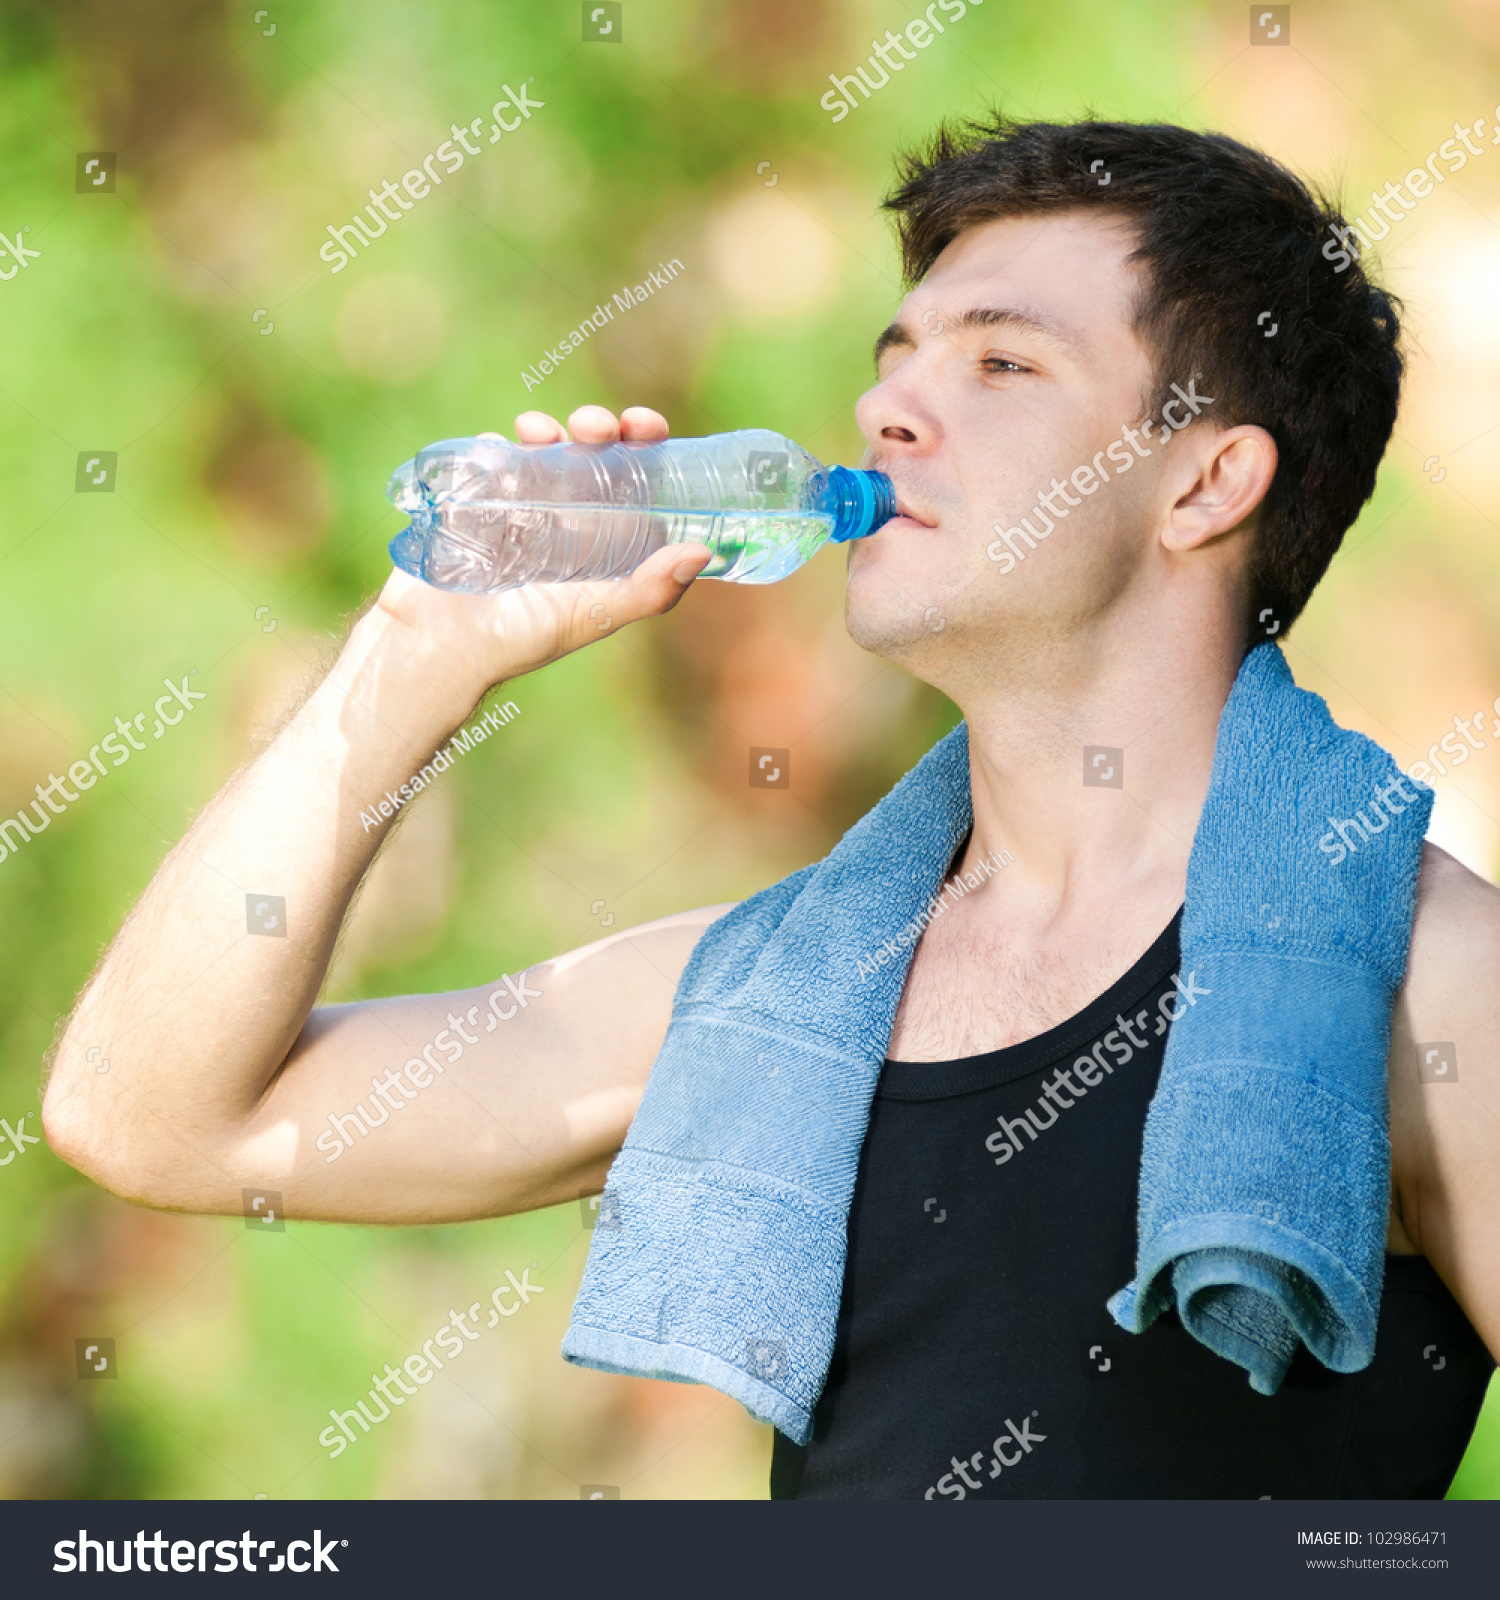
x,y
884,629
902,622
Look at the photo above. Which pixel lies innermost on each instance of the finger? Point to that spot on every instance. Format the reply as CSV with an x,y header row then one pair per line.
x,y
498,438
661,580
653,588
640,422
536,427
594,425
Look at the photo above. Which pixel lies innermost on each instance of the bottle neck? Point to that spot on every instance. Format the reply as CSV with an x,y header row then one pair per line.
x,y
861,502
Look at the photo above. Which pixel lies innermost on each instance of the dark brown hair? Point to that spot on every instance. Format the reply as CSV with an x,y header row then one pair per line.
x,y
1224,234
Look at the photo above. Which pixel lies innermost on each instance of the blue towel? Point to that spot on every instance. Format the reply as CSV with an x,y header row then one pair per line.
x,y
1265,1173
718,1253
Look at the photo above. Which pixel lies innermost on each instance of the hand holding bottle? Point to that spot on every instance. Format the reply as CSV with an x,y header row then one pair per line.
x,y
488,515
506,633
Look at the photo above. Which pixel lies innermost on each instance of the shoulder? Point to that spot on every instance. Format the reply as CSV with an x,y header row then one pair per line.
x,y
628,975
1455,938
666,942
1445,1034
1451,994
1445,1085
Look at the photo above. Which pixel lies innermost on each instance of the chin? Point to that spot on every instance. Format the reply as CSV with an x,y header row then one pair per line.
x,y
896,614
898,635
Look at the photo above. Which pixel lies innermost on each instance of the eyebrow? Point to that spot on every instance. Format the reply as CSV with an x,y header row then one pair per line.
x,y
1034,322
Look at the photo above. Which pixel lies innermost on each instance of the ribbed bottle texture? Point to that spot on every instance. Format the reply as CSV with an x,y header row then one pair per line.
x,y
487,514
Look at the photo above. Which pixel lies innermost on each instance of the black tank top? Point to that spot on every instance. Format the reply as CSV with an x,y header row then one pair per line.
x,y
974,1355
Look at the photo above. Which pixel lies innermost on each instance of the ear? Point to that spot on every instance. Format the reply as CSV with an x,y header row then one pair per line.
x,y
1222,476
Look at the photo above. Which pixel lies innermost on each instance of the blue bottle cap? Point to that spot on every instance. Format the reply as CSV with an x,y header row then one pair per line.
x,y
862,502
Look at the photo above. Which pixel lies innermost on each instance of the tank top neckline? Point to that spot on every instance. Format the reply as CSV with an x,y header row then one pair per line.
x,y
941,1080
937,1080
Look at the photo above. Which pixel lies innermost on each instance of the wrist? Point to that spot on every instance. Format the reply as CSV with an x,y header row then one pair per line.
x,y
394,695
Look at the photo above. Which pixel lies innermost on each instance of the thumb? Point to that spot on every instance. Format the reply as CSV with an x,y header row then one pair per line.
x,y
658,583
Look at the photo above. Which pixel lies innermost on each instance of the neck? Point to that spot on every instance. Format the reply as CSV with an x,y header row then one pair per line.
x,y
1150,710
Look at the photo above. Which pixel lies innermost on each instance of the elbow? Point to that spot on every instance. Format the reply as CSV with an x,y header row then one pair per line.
x,y
72,1136
132,1152
97,1117
65,1131
77,1107
84,1137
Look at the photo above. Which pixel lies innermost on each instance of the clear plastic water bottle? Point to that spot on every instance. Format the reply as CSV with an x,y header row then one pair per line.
x,y
487,514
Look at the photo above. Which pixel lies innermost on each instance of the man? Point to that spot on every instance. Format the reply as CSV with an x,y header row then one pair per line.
x,y
1112,484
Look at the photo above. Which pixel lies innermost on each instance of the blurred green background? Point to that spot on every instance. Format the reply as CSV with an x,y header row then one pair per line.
x,y
257,403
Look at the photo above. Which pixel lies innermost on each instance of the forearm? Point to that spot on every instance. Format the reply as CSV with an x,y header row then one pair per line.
x,y
197,1016
193,1010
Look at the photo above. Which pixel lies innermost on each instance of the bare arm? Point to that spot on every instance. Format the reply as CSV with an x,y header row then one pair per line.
x,y
1445,1131
222,1077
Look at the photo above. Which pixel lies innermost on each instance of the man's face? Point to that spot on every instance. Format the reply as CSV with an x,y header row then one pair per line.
x,y
1011,366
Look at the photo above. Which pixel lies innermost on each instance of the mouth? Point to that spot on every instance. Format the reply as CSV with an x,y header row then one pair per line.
x,y
906,513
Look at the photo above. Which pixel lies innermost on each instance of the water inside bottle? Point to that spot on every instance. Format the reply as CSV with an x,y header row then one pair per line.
x,y
486,546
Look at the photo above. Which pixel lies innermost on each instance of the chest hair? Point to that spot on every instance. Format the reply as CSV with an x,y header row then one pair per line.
x,y
974,986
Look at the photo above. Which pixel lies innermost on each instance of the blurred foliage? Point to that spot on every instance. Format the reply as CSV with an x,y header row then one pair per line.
x,y
258,402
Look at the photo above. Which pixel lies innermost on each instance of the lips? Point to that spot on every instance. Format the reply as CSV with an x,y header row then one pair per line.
x,y
903,509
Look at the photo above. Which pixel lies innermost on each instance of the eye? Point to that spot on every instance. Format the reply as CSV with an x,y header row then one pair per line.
x,y
1002,364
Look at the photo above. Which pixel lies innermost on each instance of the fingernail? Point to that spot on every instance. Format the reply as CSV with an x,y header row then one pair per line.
x,y
685,571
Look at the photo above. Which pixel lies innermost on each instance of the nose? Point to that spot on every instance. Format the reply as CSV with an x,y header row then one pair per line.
x,y
895,418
